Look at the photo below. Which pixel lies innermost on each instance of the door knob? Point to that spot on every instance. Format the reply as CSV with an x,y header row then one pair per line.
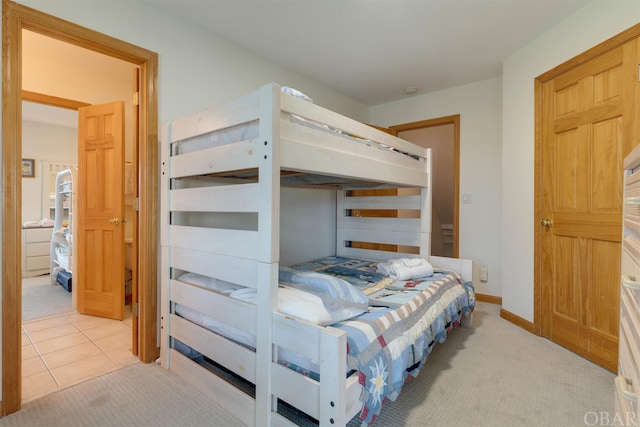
x,y
546,222
115,221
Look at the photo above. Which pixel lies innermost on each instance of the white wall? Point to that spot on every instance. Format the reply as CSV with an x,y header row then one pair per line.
x,y
196,69
307,224
44,142
594,23
480,109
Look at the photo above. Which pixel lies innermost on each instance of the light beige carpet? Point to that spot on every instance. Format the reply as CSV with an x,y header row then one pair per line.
x,y
42,299
494,374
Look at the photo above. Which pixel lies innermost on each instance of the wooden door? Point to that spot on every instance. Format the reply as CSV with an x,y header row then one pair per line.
x,y
100,275
587,129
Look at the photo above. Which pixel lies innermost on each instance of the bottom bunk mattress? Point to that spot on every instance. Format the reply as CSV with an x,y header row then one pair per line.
x,y
388,340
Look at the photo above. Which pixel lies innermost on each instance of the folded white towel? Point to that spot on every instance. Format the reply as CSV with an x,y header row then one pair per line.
x,y
47,222
406,268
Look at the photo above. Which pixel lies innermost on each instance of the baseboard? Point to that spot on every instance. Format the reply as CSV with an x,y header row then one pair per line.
x,y
489,298
518,321
507,315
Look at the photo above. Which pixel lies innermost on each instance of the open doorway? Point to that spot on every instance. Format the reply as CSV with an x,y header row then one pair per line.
x,y
17,18
49,135
442,136
61,346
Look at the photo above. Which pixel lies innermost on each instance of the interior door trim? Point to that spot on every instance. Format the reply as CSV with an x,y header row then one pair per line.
x,y
53,101
16,17
600,49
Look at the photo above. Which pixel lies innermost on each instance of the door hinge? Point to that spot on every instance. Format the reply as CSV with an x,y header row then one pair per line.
x,y
639,72
136,204
135,309
136,98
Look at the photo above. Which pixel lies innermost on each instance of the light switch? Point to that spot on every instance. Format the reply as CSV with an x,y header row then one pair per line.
x,y
484,273
466,198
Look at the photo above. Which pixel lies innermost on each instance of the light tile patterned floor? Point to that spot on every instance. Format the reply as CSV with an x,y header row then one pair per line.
x,y
63,350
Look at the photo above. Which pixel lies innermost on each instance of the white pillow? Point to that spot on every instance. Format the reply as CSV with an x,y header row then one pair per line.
x,y
220,286
292,302
341,299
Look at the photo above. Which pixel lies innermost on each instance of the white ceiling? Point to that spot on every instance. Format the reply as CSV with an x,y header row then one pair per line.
x,y
371,50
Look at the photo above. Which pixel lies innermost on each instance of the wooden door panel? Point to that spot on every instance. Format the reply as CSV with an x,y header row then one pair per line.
x,y
603,303
608,154
598,65
603,226
593,115
566,293
606,85
99,293
585,130
568,171
602,350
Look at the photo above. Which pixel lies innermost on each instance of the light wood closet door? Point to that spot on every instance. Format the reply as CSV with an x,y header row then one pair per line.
x,y
587,127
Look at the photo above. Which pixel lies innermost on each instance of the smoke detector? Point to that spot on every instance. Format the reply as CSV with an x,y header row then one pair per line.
x,y
411,90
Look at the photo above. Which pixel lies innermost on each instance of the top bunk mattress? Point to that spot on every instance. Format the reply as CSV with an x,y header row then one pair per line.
x,y
311,141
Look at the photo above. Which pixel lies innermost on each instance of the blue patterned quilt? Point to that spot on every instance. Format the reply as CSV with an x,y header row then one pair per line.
x,y
388,344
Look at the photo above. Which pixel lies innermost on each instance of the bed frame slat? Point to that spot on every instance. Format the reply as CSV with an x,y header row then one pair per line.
x,y
296,389
224,158
297,335
236,313
240,110
339,145
241,405
381,202
409,225
278,420
319,159
224,198
234,357
391,237
237,243
370,254
232,269
322,115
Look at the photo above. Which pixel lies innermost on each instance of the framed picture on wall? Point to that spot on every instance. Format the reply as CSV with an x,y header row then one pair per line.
x,y
28,168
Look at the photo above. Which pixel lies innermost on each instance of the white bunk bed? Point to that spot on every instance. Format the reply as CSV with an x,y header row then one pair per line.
x,y
62,253
222,174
